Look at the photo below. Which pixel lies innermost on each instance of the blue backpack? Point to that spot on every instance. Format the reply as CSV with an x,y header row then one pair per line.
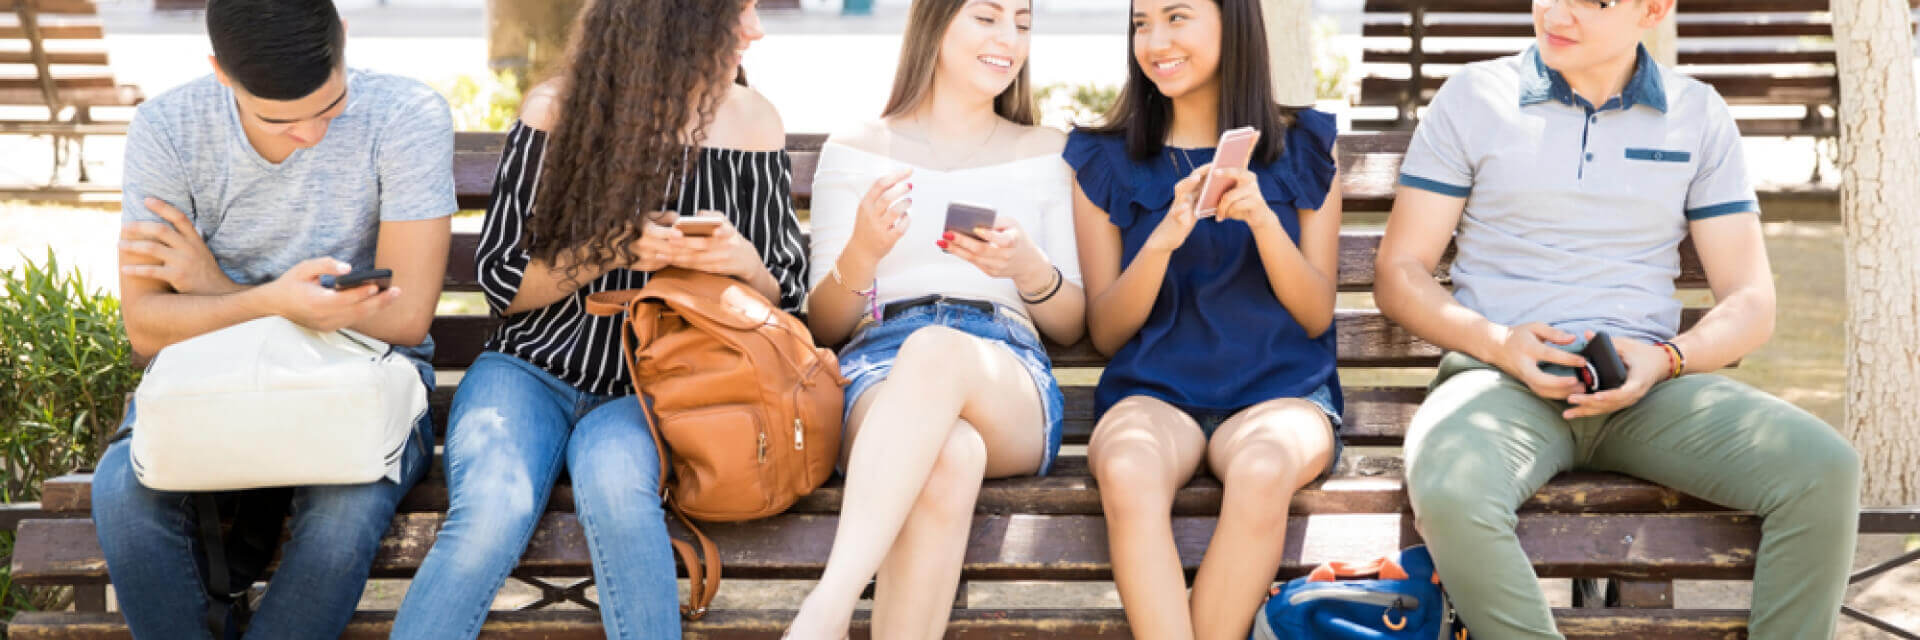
x,y
1401,601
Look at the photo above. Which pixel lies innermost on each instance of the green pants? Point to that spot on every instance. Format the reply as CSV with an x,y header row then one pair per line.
x,y
1482,443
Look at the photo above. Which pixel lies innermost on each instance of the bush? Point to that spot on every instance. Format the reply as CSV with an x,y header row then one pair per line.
x,y
65,377
483,103
1083,104
65,370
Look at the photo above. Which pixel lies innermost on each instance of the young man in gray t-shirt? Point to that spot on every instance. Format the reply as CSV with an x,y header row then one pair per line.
x,y
1567,176
242,189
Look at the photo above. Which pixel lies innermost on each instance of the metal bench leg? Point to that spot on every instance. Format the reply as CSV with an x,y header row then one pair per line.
x,y
90,598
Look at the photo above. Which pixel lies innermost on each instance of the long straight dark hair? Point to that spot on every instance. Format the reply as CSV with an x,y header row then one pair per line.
x,y
1142,115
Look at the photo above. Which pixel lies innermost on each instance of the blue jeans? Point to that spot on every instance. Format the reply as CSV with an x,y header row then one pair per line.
x,y
151,540
510,427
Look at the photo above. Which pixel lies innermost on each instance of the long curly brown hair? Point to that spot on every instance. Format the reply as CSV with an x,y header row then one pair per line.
x,y
643,79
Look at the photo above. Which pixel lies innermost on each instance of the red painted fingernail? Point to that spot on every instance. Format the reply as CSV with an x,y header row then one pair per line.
x,y
941,243
946,236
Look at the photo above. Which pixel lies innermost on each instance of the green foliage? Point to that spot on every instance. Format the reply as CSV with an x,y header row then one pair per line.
x,y
1063,104
64,374
484,103
1332,70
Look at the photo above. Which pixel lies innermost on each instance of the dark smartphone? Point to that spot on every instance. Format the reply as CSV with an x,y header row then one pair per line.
x,y
964,217
1605,371
382,277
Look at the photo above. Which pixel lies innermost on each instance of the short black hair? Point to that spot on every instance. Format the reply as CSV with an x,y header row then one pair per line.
x,y
276,49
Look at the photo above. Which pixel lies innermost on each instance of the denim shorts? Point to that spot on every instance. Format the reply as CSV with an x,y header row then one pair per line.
x,y
868,358
1322,398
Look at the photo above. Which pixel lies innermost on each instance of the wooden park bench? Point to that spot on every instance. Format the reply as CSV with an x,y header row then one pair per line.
x,y
1582,525
53,56
1754,52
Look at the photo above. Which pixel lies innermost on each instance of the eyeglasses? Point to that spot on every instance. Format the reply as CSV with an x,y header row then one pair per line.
x,y
1580,8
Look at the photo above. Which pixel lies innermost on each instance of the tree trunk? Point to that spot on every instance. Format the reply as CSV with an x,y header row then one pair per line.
x,y
1880,158
529,37
1290,49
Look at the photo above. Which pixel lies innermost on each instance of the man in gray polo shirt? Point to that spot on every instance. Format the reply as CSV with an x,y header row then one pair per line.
x,y
1568,176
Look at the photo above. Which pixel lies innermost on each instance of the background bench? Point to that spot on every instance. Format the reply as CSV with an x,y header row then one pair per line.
x,y
53,55
1582,525
1754,52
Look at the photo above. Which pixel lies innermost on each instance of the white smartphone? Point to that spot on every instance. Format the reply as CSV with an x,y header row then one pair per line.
x,y
1234,152
703,224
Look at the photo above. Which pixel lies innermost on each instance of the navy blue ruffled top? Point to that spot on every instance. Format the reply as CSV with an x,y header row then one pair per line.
x,y
1218,340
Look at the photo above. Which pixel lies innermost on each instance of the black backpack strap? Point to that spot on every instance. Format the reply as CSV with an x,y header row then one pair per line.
x,y
214,544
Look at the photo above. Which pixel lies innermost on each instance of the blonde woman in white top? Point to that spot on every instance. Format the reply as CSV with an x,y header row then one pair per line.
x,y
951,384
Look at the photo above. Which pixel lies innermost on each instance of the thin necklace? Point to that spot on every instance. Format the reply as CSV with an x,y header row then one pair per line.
x,y
962,162
1176,163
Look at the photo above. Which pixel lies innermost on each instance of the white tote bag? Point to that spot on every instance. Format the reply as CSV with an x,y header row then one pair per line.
x,y
269,403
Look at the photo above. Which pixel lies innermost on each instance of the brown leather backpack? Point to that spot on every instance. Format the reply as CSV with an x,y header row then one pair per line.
x,y
745,410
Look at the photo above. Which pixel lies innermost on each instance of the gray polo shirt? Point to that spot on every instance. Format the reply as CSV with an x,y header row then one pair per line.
x,y
1575,214
387,158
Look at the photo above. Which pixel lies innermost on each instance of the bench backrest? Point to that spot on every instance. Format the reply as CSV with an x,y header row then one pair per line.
x,y
52,53
1774,52
1379,404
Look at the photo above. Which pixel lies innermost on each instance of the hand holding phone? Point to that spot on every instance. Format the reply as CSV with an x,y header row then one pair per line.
x,y
965,217
1234,152
1604,371
703,224
381,277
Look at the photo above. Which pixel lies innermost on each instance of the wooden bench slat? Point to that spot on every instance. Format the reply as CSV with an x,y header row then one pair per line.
x,y
63,82
967,624
56,57
55,30
1755,28
1357,250
117,96
1366,485
1691,7
1366,339
1737,89
1403,56
76,7
1042,547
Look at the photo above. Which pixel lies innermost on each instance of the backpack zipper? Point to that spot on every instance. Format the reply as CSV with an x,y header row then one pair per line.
x,y
1401,601
763,447
799,436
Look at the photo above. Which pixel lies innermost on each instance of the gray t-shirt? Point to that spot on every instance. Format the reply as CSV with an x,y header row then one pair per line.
x,y
387,158
1575,212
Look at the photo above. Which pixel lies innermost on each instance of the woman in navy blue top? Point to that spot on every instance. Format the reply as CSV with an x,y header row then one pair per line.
x,y
1219,328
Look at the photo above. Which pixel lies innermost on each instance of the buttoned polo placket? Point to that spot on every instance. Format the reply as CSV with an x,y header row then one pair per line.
x,y
1643,88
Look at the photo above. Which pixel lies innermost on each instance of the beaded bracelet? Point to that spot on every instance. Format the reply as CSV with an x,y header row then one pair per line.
x,y
872,292
1675,357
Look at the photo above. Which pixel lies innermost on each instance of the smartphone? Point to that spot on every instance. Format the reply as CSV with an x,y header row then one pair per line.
x,y
1605,371
1234,152
964,217
381,277
699,225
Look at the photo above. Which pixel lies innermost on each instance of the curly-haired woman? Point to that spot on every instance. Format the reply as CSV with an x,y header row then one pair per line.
x,y
646,124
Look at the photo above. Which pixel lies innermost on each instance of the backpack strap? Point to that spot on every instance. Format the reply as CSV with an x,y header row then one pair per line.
x,y
703,577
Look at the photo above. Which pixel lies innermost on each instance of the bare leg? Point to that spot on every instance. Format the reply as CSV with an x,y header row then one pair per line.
x,y
1262,456
1142,452
914,594
939,377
